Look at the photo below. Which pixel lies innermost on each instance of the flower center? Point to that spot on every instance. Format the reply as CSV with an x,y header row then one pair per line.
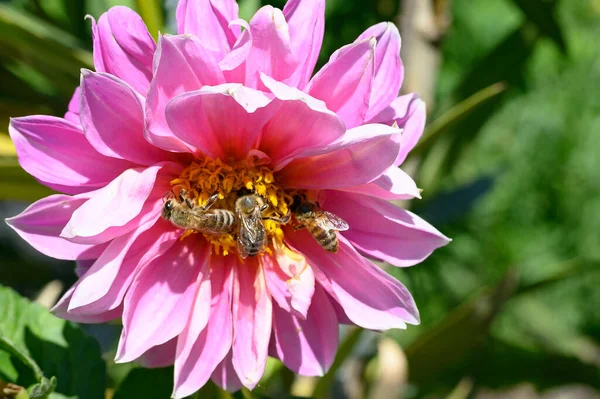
x,y
204,178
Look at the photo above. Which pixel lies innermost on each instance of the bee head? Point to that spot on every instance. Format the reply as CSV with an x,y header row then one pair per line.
x,y
246,204
299,199
167,209
304,208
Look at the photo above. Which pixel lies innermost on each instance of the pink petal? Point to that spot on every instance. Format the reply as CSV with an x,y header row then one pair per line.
x,y
56,152
225,376
252,311
345,82
181,64
361,156
72,114
342,318
370,297
409,113
290,280
266,48
233,65
104,285
133,198
159,356
208,23
306,21
225,9
307,347
301,123
200,352
159,302
82,266
389,70
41,223
112,116
123,47
394,184
384,231
112,206
222,121
60,310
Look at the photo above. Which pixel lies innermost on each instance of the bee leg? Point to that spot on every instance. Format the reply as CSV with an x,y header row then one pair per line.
x,y
189,203
264,207
282,220
211,201
300,226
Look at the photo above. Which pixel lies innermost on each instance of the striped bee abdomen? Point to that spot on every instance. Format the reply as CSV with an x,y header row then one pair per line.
x,y
327,239
220,220
254,245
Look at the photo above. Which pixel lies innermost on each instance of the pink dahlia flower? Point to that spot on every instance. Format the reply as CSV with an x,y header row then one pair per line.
x,y
223,110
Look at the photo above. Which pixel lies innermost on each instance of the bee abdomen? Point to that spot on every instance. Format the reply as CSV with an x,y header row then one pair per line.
x,y
254,247
220,220
327,239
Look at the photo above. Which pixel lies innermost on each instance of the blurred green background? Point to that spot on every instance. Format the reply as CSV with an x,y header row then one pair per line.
x,y
510,169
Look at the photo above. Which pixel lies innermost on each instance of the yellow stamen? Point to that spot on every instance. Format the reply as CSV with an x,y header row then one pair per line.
x,y
206,176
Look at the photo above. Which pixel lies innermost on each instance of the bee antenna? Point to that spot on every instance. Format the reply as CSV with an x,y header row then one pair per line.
x,y
168,195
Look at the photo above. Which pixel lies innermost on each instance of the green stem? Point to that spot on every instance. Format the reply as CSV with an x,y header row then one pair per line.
x,y
455,114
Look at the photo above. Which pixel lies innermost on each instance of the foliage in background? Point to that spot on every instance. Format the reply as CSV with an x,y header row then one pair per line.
x,y
510,172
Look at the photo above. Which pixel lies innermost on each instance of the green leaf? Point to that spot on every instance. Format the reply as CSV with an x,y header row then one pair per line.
x,y
45,386
441,136
8,346
43,389
502,364
458,335
505,63
541,14
16,184
55,53
146,384
60,348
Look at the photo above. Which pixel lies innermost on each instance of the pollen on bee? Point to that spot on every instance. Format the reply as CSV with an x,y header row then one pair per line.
x,y
206,176
187,234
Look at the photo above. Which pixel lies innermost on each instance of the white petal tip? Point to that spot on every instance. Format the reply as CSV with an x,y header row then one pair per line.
x,y
121,359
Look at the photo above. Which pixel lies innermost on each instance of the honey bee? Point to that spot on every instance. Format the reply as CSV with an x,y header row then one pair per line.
x,y
321,224
252,235
181,211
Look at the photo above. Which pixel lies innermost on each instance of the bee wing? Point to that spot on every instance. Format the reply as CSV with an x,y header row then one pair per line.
x,y
199,221
329,221
197,216
242,250
250,225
